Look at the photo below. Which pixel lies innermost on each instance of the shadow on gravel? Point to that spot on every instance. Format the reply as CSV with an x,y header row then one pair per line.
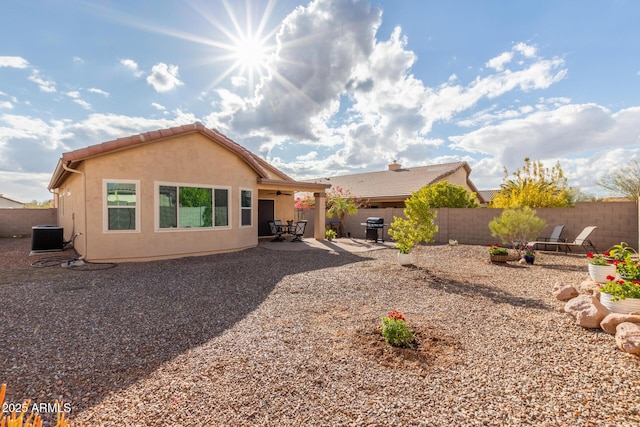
x,y
472,290
80,335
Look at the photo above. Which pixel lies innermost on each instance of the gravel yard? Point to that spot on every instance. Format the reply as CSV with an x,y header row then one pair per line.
x,y
266,337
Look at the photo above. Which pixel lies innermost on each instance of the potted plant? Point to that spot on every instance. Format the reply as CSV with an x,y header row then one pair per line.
x,y
529,255
620,296
405,237
600,267
497,253
628,269
329,234
415,228
620,252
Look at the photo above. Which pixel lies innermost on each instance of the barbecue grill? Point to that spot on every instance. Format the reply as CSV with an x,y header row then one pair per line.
x,y
373,227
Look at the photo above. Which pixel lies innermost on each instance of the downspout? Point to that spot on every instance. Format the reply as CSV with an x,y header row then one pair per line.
x,y
84,196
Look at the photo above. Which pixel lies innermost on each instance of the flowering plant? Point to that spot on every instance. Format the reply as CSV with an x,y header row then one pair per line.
x,y
599,259
497,250
621,289
621,251
528,250
628,269
395,330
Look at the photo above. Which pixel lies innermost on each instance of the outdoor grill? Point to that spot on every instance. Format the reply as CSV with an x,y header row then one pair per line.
x,y
374,226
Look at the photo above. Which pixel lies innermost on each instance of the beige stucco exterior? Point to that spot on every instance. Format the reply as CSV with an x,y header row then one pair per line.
x,y
191,159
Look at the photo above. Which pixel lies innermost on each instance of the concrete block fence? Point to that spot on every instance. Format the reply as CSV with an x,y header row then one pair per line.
x,y
617,222
18,222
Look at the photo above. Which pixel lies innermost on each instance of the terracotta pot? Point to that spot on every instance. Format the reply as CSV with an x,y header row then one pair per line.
x,y
499,258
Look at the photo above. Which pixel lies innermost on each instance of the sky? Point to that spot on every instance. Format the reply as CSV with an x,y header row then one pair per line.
x,y
327,87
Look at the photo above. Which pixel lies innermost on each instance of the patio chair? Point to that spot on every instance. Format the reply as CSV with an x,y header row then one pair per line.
x,y
276,230
582,240
299,231
554,238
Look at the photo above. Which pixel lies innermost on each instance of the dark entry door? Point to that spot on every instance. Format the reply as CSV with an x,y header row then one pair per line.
x,y
266,210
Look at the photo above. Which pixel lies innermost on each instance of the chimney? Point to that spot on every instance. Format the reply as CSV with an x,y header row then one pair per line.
x,y
395,166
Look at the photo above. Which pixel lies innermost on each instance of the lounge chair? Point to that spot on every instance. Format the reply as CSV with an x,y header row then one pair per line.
x,y
554,238
582,241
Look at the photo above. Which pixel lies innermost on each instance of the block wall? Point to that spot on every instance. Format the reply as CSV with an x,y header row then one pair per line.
x,y
18,222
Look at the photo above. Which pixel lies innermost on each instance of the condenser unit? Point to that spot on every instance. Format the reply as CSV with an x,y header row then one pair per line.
x,y
46,238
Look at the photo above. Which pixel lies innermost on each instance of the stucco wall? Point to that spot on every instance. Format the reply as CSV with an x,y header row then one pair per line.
x,y
617,222
18,222
190,160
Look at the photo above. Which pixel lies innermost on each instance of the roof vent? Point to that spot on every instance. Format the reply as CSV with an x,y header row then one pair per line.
x,y
395,166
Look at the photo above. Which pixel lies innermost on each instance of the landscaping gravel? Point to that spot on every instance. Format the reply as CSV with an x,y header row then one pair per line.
x,y
274,338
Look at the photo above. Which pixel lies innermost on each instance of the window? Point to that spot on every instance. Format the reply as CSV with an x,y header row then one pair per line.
x,y
246,212
121,201
221,207
186,207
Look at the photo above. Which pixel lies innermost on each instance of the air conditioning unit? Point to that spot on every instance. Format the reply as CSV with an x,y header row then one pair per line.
x,y
47,238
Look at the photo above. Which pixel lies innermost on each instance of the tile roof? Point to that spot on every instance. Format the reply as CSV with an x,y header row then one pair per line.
x,y
395,183
266,172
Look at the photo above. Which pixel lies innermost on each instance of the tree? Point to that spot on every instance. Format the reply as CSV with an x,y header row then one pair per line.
x,y
445,195
534,186
341,203
517,227
625,181
417,226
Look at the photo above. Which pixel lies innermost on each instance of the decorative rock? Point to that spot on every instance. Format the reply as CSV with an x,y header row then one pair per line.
x,y
590,287
587,310
564,291
522,261
628,337
610,323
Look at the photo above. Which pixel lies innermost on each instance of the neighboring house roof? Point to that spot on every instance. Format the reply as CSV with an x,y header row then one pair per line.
x,y
266,173
488,195
397,182
9,203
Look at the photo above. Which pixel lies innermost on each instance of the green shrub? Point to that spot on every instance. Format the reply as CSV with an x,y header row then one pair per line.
x,y
395,330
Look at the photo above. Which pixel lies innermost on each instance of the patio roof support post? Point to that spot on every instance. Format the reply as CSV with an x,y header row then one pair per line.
x,y
319,215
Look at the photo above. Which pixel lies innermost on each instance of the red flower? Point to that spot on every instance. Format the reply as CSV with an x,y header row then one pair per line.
x,y
610,277
589,254
395,314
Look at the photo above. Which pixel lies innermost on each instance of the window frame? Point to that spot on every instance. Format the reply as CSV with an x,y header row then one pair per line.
x,y
105,205
242,208
213,227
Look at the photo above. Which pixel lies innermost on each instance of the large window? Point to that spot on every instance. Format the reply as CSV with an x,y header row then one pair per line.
x,y
121,205
184,207
246,212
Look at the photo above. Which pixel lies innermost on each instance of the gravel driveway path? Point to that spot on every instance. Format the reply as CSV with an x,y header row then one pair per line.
x,y
264,337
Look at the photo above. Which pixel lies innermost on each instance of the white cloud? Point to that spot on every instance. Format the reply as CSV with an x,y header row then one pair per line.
x,y
164,77
239,81
13,62
499,61
98,91
158,106
83,104
132,65
78,60
525,49
44,85
6,105
73,94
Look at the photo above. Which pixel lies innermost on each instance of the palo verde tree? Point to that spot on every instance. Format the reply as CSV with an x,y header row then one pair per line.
x,y
624,181
517,227
534,186
341,203
445,195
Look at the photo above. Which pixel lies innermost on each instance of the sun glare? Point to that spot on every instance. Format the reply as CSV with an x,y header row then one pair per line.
x,y
251,54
